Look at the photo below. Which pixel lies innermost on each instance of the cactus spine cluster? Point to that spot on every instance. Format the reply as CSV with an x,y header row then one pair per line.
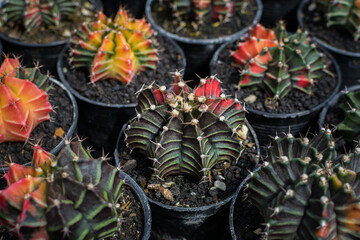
x,y
278,62
304,191
349,128
200,9
114,48
343,14
186,131
23,100
72,196
35,13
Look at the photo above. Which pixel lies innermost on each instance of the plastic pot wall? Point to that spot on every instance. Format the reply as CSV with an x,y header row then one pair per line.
x,y
267,125
198,52
70,133
46,54
349,62
139,193
207,222
100,123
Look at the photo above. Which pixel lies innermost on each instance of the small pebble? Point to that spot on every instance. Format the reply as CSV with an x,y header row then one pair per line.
x,y
131,164
193,193
213,191
220,185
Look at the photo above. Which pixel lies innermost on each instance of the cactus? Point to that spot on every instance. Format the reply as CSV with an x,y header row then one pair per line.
x,y
35,13
23,100
343,14
349,128
277,62
72,196
186,131
114,48
305,191
199,10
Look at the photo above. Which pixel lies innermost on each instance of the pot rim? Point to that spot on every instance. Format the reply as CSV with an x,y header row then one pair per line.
x,y
334,101
59,67
299,16
191,209
288,115
211,41
143,200
73,126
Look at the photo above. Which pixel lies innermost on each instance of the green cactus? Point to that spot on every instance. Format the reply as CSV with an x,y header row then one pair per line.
x,y
186,131
278,62
304,191
70,197
343,14
35,13
349,128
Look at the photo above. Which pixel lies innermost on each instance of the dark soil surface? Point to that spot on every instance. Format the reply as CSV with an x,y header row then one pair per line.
x,y
247,219
61,117
132,216
294,101
115,92
188,192
243,16
48,34
315,21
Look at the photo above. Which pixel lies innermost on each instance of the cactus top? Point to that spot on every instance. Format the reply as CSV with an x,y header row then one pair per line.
x,y
23,105
115,48
278,62
186,131
304,191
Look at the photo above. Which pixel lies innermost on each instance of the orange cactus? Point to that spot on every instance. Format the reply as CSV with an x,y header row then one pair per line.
x,y
22,104
114,49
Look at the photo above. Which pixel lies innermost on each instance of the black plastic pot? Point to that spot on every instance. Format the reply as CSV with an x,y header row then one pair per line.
x,y
270,124
70,133
144,203
198,52
207,222
274,10
234,201
136,7
45,53
349,62
100,123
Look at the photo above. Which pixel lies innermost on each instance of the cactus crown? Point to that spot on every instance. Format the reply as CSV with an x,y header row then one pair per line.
x,y
304,191
114,48
36,13
186,131
343,14
278,62
72,196
199,10
23,100
349,128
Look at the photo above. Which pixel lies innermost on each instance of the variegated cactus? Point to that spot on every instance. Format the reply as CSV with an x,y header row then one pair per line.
x,y
349,128
72,196
187,10
23,100
114,48
343,14
278,62
35,13
186,131
304,191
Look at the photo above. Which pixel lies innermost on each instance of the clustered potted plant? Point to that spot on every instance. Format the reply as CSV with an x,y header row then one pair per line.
x,y
188,133
117,56
38,30
186,146
335,25
284,79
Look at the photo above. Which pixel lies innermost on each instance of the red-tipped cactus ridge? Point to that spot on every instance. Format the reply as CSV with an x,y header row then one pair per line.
x,y
185,131
22,104
272,60
222,10
43,159
114,48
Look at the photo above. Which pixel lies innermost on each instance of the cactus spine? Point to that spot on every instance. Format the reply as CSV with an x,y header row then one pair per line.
x,y
186,131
